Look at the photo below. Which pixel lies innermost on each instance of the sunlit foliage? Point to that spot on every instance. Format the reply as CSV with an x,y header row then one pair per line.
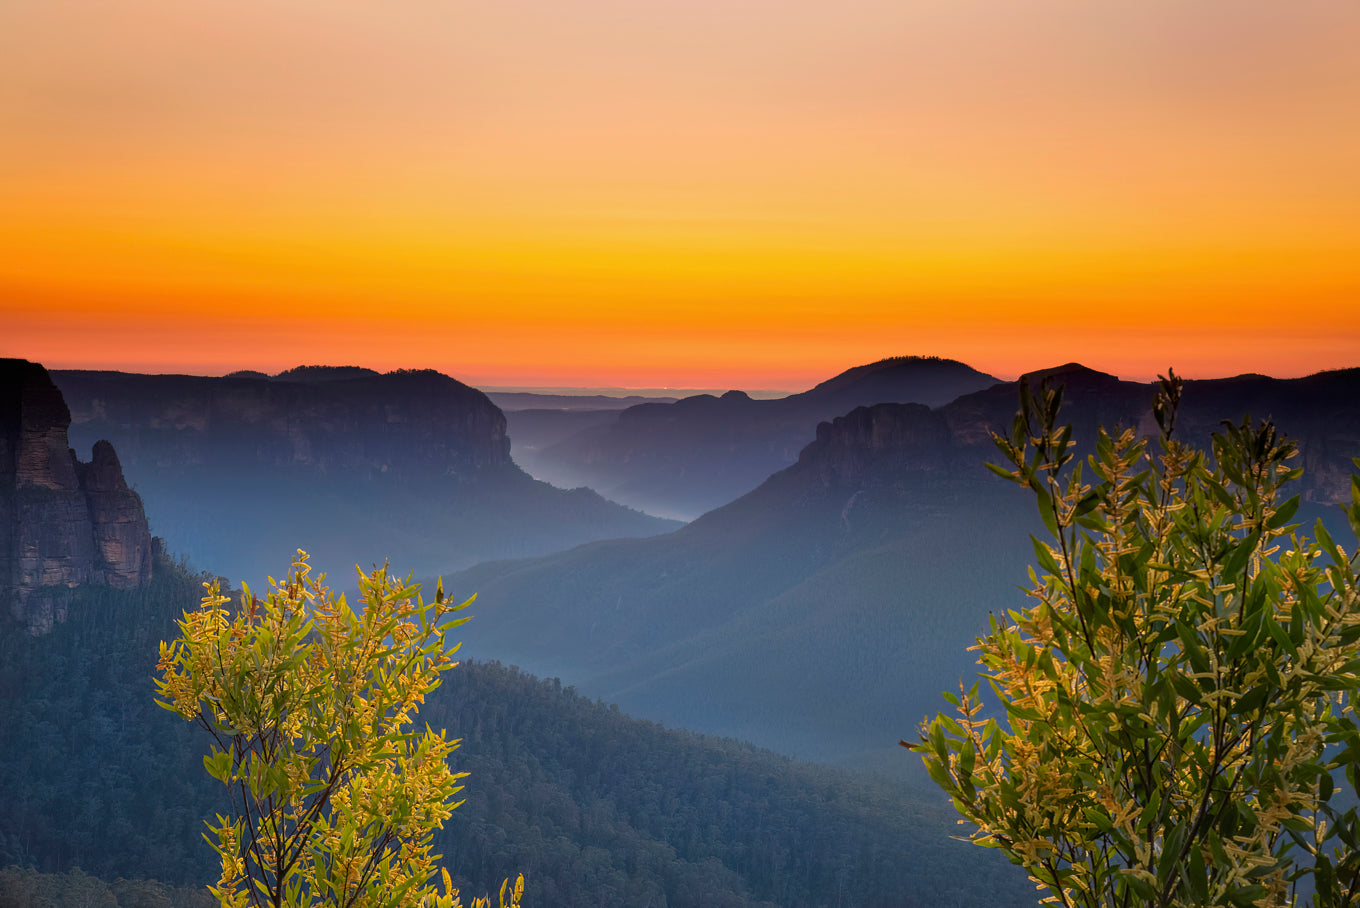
x,y
310,704
1178,718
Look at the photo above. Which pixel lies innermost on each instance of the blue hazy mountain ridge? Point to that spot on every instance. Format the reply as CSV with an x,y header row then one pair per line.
x,y
535,420
354,466
685,458
823,613
532,430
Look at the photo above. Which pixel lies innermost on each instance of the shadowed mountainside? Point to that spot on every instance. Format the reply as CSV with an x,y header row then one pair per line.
x,y
685,458
822,613
351,465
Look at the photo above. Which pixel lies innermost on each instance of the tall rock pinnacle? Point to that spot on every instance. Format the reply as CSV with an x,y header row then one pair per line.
x,y
63,523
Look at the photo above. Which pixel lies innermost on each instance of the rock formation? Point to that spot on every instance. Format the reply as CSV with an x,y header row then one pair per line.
x,y
1321,413
122,543
318,420
62,522
884,438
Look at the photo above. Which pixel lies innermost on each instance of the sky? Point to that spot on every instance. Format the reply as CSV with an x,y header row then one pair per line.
x,y
680,193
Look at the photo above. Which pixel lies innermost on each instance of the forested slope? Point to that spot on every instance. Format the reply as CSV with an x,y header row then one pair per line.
x,y
596,808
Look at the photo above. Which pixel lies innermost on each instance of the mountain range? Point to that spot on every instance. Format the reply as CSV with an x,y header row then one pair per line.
x,y
822,613
684,458
353,466
818,614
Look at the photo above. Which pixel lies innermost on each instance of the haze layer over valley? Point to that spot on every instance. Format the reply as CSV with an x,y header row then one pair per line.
x,y
823,613
820,613
682,458
354,466
571,792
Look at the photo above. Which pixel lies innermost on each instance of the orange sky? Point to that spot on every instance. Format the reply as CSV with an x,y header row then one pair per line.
x,y
710,193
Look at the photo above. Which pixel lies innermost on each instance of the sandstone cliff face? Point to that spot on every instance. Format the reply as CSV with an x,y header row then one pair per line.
x,y
412,424
883,439
1321,413
122,541
62,523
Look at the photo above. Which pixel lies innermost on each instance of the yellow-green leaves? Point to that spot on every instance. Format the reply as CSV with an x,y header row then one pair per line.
x,y
310,704
1177,699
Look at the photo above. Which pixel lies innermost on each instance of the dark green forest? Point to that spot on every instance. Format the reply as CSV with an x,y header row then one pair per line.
x,y
24,887
594,807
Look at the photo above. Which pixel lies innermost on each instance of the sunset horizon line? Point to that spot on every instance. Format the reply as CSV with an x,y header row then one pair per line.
x,y
607,388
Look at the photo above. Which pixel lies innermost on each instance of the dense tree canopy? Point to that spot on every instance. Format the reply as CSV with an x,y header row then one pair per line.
x,y
335,801
596,808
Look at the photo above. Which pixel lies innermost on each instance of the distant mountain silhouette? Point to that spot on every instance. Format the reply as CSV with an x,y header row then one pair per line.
x,y
688,457
324,373
353,466
822,613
